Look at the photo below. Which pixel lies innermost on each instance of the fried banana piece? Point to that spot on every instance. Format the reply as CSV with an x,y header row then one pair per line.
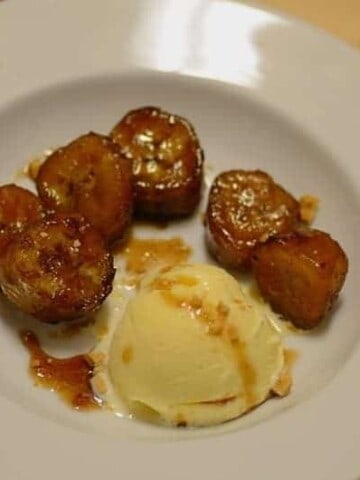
x,y
57,269
244,209
18,208
91,177
301,275
167,161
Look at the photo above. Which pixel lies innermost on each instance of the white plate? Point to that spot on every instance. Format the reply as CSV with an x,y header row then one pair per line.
x,y
263,91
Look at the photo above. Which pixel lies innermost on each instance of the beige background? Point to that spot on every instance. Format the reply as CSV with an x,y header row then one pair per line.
x,y
339,17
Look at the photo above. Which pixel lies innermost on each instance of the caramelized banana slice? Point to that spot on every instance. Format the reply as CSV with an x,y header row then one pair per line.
x,y
57,269
301,275
89,176
244,209
18,208
167,161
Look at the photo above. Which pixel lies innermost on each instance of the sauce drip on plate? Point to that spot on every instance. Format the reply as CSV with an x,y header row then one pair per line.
x,y
143,254
69,377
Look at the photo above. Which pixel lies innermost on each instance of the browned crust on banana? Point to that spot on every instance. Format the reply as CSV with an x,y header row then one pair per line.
x,y
57,269
89,176
301,275
167,161
18,208
244,209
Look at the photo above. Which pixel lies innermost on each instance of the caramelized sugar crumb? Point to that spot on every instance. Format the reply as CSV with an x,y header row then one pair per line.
x,y
181,421
284,382
222,309
213,318
193,304
163,284
231,332
98,358
68,377
181,424
309,206
31,170
99,385
101,330
216,321
127,354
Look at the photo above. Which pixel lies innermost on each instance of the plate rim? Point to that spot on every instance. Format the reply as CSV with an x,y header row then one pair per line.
x,y
197,451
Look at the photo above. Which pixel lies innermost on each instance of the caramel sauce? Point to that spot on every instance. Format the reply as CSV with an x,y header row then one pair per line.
x,y
215,321
68,377
247,371
166,284
127,354
143,254
186,280
216,324
220,401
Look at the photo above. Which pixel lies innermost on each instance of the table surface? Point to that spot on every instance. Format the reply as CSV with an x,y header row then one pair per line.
x,y
339,17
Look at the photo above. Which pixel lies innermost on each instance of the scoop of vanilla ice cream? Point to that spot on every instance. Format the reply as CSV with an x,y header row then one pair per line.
x,y
193,348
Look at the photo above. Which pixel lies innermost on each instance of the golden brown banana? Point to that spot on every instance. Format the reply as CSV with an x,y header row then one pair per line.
x,y
244,209
89,176
18,208
167,161
301,274
57,269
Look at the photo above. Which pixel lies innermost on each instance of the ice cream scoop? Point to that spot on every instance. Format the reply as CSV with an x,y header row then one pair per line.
x,y
193,348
